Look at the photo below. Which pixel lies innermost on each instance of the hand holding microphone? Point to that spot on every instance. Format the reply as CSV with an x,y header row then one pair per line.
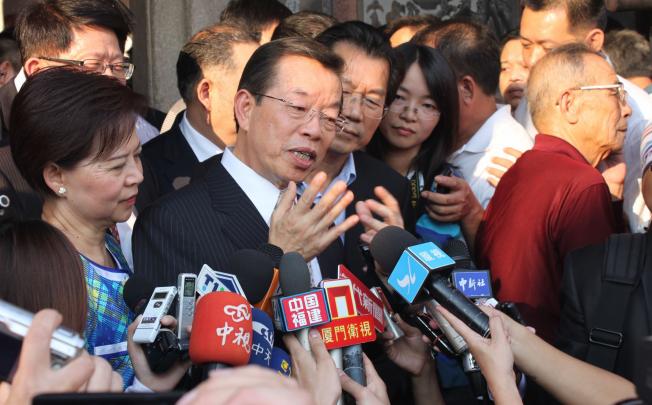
x,y
314,371
494,355
409,352
374,393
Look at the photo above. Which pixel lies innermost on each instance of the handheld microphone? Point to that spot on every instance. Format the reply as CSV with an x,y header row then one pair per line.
x,y
255,272
455,340
459,252
294,278
281,362
266,302
221,331
418,267
263,338
391,326
136,293
476,285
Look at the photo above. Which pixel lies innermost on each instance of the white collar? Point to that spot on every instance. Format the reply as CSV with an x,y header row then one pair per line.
x,y
480,141
20,79
200,145
262,193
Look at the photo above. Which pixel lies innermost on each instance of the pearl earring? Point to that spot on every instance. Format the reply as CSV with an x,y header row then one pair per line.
x,y
62,190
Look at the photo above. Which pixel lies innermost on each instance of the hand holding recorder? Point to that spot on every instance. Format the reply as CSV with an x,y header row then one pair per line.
x,y
35,375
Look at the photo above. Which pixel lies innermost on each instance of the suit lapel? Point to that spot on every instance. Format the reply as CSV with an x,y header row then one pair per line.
x,y
229,199
178,152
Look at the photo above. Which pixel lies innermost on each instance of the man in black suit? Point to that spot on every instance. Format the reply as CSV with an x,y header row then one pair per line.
x,y
286,121
366,87
208,70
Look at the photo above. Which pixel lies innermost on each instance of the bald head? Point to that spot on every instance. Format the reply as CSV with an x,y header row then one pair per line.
x,y
569,66
574,94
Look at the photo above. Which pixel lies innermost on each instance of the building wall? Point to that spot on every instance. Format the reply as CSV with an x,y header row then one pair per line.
x,y
163,26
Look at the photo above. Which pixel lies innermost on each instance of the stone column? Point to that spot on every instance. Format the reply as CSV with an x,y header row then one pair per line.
x,y
162,27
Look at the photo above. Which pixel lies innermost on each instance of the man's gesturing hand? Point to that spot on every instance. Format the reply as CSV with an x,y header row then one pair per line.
x,y
305,228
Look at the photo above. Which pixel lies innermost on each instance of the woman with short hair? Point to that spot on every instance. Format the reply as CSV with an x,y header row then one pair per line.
x,y
73,141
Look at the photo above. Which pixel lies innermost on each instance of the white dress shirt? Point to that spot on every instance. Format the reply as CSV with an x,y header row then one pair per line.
x,y
200,145
263,194
260,191
473,159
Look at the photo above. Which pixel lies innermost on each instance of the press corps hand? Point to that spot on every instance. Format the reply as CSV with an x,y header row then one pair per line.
x,y
156,382
305,228
35,375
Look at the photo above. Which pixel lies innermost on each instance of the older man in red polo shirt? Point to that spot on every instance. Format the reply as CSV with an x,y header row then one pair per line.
x,y
553,200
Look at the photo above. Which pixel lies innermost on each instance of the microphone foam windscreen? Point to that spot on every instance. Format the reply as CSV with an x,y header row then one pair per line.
x,y
281,362
294,274
221,329
254,270
263,338
458,251
135,290
388,246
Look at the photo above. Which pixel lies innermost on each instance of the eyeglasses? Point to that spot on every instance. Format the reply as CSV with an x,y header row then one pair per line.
x,y
424,111
619,87
122,70
370,108
327,124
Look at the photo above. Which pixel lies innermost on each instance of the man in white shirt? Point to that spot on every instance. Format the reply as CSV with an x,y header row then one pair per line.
x,y
546,25
208,71
484,129
247,196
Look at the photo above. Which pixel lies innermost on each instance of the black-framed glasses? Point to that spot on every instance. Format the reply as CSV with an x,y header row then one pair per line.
x,y
424,111
122,70
618,87
369,107
327,124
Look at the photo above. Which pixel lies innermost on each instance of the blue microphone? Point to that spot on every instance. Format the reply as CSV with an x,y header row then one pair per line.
x,y
263,338
281,362
423,268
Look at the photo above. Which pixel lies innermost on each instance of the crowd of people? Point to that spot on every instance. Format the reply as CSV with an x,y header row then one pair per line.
x,y
299,133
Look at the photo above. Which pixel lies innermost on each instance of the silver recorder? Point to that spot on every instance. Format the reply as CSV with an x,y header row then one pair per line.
x,y
14,324
185,306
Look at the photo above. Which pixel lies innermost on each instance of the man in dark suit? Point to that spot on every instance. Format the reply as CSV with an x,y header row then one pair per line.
x,y
208,70
366,87
365,84
286,121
